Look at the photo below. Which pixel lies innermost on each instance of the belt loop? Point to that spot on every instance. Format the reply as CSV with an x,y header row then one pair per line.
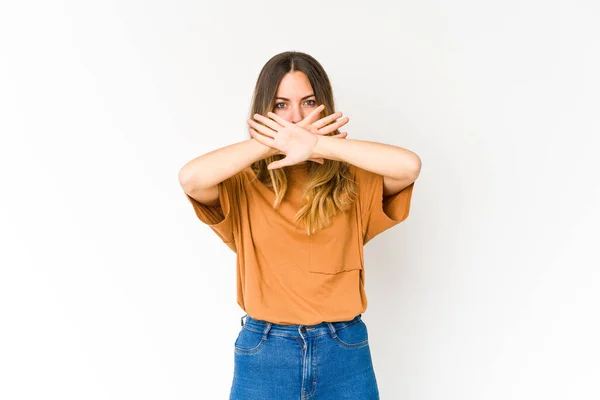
x,y
242,319
266,331
332,329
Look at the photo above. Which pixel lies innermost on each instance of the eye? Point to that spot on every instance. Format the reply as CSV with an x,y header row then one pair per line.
x,y
313,103
277,105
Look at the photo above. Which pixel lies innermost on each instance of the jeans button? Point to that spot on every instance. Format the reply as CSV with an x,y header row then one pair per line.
x,y
303,329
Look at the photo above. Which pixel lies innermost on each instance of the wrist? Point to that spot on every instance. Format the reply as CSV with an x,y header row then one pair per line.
x,y
325,148
266,151
318,149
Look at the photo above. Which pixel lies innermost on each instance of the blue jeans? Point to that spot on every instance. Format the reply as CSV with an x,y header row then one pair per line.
x,y
327,361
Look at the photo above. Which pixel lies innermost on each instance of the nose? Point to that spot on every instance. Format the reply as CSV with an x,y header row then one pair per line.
x,y
296,114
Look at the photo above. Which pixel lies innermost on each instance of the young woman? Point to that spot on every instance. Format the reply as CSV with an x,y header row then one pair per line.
x,y
297,202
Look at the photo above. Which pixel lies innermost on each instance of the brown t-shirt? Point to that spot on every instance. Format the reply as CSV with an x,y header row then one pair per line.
x,y
285,276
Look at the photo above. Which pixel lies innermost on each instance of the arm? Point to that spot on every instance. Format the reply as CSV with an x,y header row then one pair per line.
x,y
208,170
398,166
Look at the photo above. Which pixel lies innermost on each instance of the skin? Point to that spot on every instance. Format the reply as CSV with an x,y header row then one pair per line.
x,y
293,128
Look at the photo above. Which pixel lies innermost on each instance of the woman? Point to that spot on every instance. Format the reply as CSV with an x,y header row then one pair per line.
x,y
297,201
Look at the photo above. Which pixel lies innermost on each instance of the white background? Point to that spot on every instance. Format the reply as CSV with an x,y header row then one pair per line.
x,y
110,288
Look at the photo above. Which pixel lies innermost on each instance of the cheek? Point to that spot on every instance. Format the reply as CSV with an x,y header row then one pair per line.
x,y
281,113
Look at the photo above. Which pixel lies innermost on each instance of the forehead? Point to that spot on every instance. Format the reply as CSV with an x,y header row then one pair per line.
x,y
294,85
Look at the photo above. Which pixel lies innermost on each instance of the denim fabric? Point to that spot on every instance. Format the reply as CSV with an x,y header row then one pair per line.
x,y
327,361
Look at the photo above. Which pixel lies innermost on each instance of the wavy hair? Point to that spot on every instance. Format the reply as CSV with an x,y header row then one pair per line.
x,y
330,189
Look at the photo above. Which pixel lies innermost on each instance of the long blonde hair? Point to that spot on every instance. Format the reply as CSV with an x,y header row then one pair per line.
x,y
330,189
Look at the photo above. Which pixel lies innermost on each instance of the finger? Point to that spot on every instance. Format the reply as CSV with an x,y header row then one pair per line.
x,y
277,164
262,138
334,126
261,128
278,119
340,135
327,120
317,160
312,116
268,122
284,162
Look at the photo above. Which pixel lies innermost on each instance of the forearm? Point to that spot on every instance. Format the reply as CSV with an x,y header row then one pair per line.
x,y
380,158
214,167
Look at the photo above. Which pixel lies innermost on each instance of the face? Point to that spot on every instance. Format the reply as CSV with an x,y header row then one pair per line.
x,y
295,98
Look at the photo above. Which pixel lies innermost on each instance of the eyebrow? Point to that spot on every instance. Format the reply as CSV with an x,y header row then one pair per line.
x,y
305,97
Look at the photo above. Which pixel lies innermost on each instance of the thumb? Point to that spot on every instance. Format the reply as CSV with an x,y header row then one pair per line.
x,y
278,164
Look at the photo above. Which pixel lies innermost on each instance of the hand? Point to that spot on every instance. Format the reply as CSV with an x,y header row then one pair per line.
x,y
296,141
322,127
319,127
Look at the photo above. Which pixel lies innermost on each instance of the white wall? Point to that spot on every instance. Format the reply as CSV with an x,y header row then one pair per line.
x,y
110,288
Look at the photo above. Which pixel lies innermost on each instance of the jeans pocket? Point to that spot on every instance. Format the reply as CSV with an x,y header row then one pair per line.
x,y
249,341
354,336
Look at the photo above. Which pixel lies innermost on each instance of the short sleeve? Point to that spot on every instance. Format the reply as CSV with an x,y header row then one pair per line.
x,y
378,214
224,218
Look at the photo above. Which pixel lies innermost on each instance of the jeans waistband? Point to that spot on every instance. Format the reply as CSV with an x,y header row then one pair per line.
x,y
267,327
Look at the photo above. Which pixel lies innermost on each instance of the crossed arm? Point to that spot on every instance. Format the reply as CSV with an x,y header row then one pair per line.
x,y
400,167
